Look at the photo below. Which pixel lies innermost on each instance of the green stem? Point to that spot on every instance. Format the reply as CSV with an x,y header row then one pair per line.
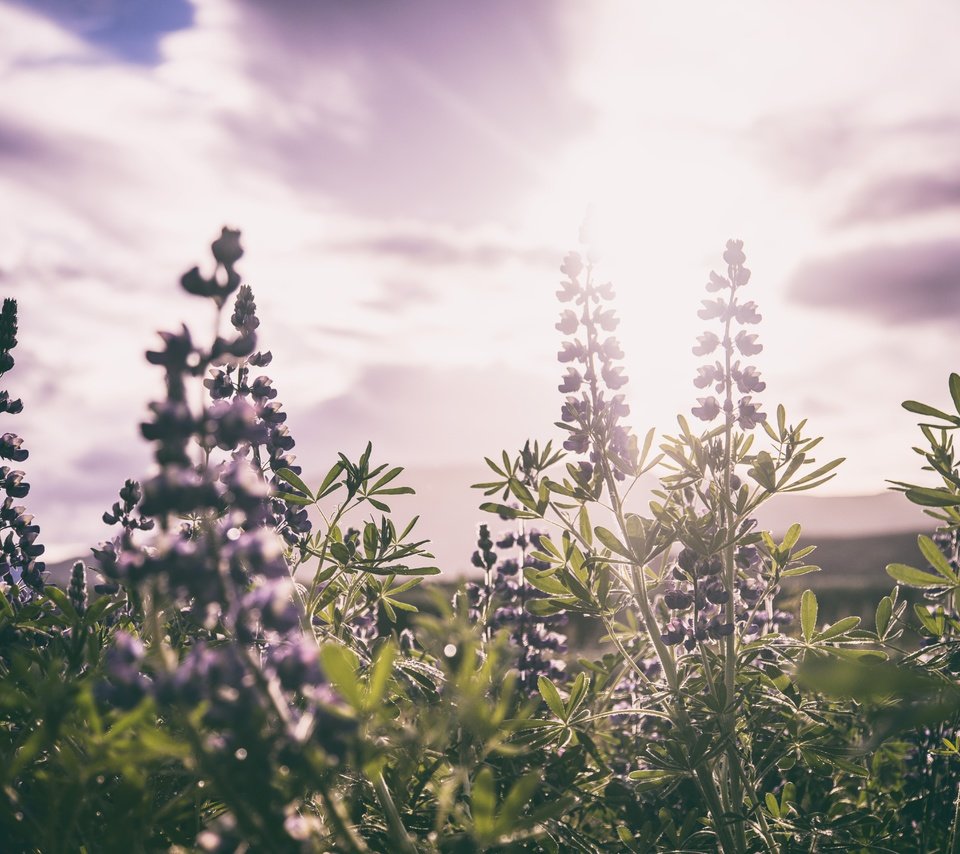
x,y
703,775
730,574
398,832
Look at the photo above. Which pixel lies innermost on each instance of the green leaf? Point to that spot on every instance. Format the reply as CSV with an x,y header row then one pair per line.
x,y
794,571
62,601
788,795
380,675
922,409
913,577
583,522
290,498
609,539
808,614
954,383
652,776
884,612
383,481
545,582
772,804
792,537
840,627
340,666
934,623
548,607
331,475
551,697
578,691
371,539
483,802
522,494
404,587
815,478
926,497
936,558
294,481
341,554
507,512
764,471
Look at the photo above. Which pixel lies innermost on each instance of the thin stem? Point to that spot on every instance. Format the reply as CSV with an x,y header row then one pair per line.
x,y
398,832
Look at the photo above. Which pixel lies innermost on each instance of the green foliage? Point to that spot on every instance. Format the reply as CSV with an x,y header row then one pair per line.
x,y
710,719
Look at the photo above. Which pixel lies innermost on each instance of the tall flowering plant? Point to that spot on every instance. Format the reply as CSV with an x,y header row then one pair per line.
x,y
686,595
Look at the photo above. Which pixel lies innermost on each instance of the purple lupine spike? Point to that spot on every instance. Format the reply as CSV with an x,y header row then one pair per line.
x,y
728,374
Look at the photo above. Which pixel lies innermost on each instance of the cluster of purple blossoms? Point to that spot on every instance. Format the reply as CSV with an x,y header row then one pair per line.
x,y
696,601
232,385
729,378
218,557
499,602
588,414
20,570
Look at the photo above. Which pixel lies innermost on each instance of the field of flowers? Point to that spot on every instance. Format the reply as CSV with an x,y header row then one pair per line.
x,y
239,668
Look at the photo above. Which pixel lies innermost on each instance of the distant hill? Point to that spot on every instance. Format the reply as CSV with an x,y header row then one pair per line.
x,y
450,515
856,535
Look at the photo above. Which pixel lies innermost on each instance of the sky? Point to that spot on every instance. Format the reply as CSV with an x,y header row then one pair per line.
x,y
408,176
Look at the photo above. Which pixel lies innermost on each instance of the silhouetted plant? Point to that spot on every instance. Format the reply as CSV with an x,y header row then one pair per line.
x,y
20,569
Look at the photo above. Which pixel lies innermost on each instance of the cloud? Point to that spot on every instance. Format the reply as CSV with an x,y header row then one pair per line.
x,y
894,284
433,109
418,415
436,250
809,145
400,294
901,196
842,140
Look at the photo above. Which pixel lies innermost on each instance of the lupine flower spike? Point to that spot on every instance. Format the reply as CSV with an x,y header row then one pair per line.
x,y
590,414
729,378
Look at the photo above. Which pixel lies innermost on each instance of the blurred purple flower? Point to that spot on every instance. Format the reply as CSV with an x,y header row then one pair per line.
x,y
706,344
747,343
708,409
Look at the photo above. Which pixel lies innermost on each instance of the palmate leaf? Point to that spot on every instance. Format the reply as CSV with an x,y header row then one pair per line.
x,y
612,542
551,696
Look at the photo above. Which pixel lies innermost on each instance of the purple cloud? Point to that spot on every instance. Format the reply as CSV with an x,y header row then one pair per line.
x,y
434,250
435,111
401,294
902,195
895,284
417,415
